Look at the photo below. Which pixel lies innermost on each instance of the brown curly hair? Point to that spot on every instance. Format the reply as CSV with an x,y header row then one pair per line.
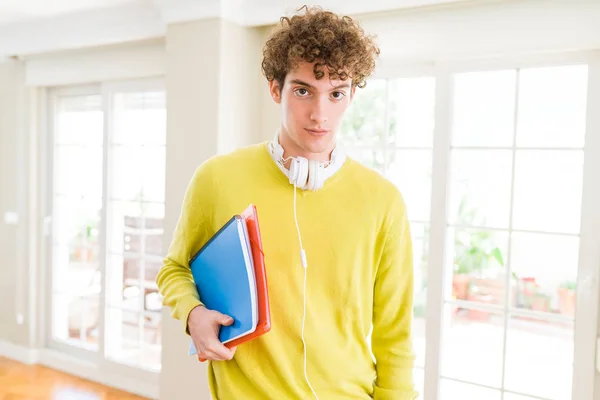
x,y
330,40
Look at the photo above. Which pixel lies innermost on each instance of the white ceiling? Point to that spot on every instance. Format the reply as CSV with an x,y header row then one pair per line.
x,y
39,26
15,11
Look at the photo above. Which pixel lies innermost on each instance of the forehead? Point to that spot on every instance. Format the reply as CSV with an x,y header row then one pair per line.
x,y
305,73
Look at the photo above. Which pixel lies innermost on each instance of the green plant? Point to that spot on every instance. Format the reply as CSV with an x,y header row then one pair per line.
x,y
569,285
475,250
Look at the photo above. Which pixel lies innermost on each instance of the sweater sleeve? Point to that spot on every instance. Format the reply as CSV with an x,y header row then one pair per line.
x,y
174,280
392,312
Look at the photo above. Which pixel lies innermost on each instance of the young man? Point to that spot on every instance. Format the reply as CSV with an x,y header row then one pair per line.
x,y
335,234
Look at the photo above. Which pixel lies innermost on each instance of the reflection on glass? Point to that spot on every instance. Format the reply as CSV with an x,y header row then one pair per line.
x,y
539,358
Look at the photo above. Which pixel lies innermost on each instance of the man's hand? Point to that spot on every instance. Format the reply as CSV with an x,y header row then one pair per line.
x,y
204,325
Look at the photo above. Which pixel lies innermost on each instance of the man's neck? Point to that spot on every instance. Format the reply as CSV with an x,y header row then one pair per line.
x,y
290,149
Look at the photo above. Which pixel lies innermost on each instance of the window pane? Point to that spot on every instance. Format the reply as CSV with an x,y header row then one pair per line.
x,y
76,248
139,117
122,334
122,219
364,122
123,278
478,265
480,187
153,172
420,240
452,390
410,170
75,320
412,111
483,108
127,171
419,380
552,106
79,120
78,170
150,357
539,358
546,280
472,347
371,158
548,190
512,396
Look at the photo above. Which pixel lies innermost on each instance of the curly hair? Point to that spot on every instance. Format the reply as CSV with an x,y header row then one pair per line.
x,y
323,38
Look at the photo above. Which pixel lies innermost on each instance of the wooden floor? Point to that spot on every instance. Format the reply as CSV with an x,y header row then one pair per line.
x,y
34,382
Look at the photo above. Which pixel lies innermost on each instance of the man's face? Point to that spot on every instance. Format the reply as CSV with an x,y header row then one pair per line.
x,y
312,111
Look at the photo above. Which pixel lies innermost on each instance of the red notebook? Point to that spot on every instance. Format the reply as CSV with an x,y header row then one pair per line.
x,y
263,326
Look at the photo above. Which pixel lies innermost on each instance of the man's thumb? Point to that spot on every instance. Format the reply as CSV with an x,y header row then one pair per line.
x,y
226,320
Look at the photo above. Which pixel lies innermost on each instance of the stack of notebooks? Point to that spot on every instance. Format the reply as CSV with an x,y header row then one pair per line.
x,y
229,273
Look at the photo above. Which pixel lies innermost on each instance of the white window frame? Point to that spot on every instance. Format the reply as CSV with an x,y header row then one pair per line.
x,y
586,316
91,365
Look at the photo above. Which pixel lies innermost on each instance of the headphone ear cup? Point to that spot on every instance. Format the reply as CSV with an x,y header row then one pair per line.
x,y
312,175
301,174
319,176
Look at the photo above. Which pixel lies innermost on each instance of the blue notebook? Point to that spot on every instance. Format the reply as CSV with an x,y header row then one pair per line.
x,y
223,271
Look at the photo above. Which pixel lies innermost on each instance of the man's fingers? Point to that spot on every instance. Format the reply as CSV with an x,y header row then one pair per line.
x,y
221,351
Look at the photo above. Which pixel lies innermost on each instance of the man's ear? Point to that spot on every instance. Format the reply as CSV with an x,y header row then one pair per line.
x,y
275,91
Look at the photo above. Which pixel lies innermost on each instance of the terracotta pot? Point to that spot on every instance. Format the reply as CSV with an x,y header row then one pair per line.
x,y
460,286
567,300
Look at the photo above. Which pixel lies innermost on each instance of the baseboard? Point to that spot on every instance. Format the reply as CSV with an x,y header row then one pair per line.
x,y
19,353
80,368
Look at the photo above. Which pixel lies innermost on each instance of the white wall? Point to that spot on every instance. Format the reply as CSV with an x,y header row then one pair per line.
x,y
14,297
105,63
491,28
213,107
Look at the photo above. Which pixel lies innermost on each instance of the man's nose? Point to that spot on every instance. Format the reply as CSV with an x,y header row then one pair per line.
x,y
318,113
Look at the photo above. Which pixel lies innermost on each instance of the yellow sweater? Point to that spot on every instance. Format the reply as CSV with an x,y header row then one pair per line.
x,y
357,240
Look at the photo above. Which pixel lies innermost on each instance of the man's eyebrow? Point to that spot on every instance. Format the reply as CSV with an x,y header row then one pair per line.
x,y
299,82
340,86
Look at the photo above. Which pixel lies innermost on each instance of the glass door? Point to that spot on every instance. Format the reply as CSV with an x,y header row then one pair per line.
x,y
76,204
107,183
513,214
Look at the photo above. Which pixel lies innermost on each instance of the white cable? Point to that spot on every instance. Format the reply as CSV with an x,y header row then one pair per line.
x,y
304,265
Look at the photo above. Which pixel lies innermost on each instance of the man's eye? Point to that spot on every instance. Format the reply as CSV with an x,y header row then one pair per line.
x,y
302,92
338,95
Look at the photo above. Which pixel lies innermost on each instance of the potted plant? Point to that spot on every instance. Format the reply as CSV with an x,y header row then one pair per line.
x,y
567,297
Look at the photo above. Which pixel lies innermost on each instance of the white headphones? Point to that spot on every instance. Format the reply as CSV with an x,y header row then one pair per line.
x,y
303,173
